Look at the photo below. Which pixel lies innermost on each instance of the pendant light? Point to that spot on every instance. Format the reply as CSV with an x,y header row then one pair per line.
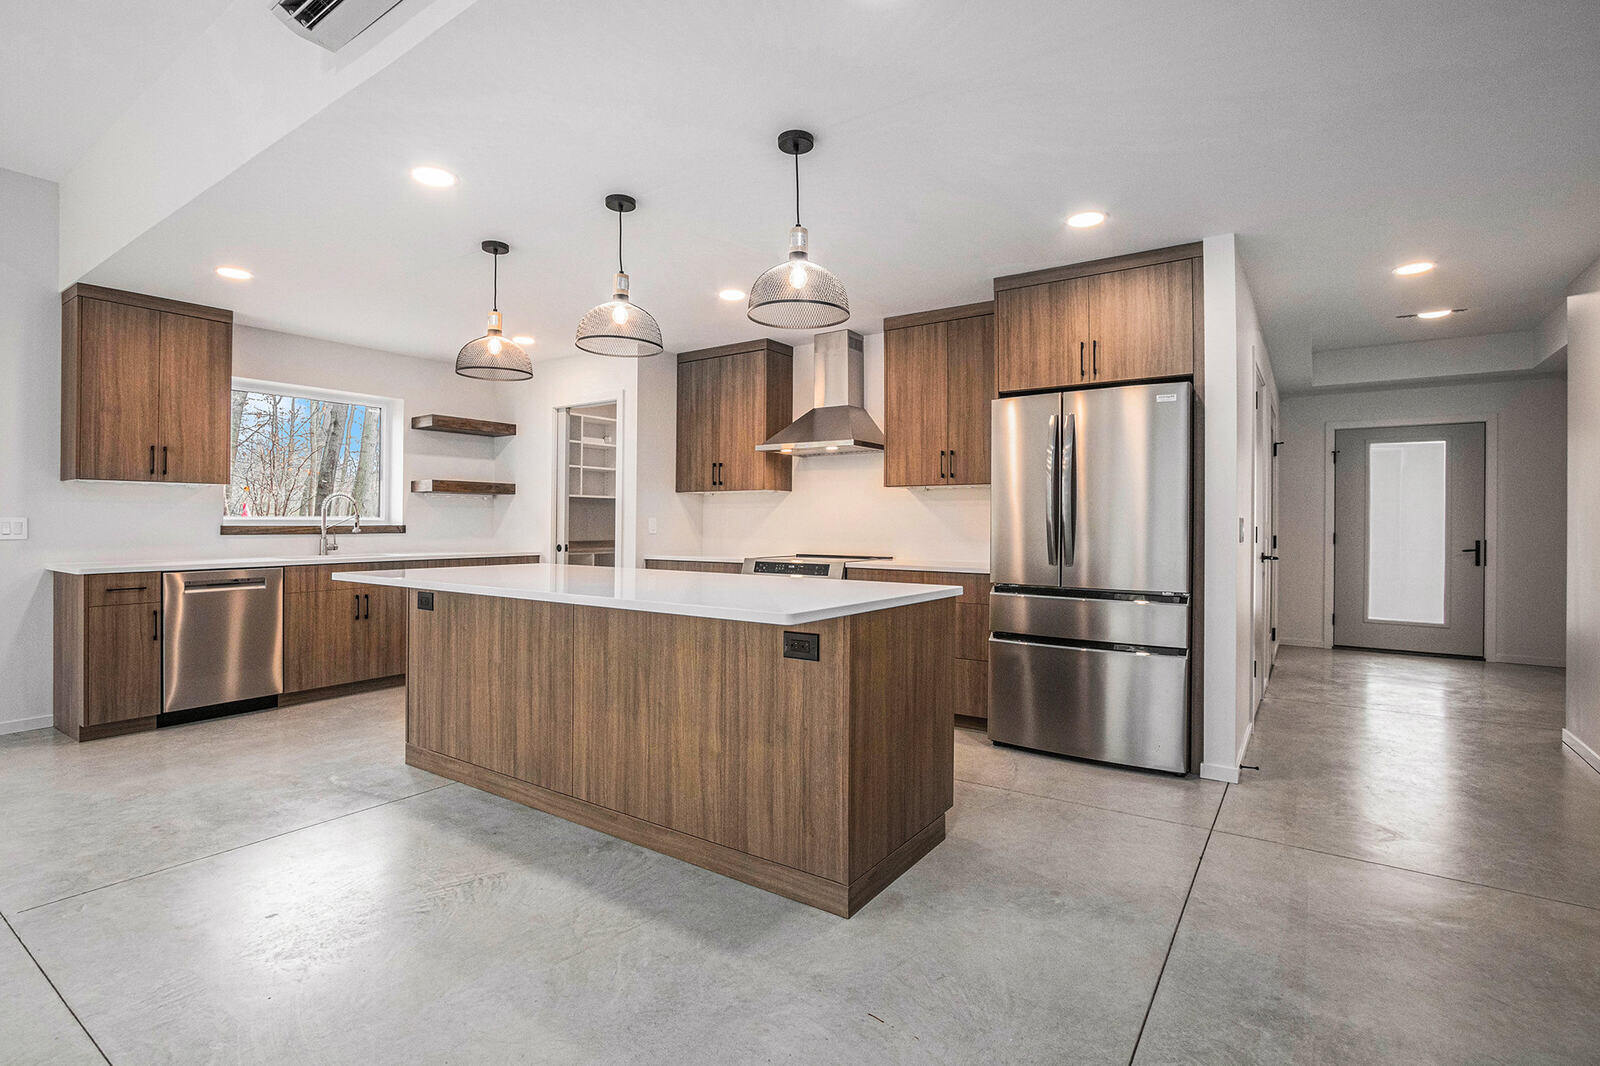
x,y
618,326
492,356
798,294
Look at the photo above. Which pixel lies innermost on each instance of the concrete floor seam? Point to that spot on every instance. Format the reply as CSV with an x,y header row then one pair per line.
x,y
1090,806
1407,869
49,981
225,851
1182,910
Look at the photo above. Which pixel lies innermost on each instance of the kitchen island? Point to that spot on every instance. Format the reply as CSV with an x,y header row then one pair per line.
x,y
783,731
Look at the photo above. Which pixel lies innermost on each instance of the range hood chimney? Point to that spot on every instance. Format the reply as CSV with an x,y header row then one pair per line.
x,y
836,423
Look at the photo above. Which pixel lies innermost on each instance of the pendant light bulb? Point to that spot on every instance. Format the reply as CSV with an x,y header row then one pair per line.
x,y
492,357
798,293
619,327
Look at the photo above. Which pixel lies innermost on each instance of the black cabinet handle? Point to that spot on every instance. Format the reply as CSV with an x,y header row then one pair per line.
x,y
1080,359
1094,358
163,460
155,625
366,602
952,463
128,588
941,462
152,460
357,598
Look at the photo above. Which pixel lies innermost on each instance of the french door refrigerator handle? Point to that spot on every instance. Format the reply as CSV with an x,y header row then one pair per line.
x,y
1052,508
1067,493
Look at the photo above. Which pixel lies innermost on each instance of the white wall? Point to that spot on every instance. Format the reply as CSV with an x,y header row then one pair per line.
x,y
76,520
1527,546
677,516
1235,351
1583,516
839,502
534,451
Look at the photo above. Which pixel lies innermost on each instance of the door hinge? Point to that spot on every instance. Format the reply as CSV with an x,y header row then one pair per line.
x,y
1253,668
1274,542
1275,446
1333,619
1273,635
1336,457
1336,538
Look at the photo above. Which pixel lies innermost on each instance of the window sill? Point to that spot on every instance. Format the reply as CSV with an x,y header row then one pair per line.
x,y
239,530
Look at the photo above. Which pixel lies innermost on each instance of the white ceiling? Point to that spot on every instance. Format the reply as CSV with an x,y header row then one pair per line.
x,y
1337,139
67,71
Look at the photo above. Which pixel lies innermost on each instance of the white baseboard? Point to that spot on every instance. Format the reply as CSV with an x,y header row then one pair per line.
x,y
22,725
1217,772
1584,751
1530,660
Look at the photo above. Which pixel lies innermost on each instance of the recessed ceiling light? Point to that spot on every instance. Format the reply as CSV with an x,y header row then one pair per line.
x,y
433,177
731,294
234,273
1422,266
1085,219
1440,313
522,339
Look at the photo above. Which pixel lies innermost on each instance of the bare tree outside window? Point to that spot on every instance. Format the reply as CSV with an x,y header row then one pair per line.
x,y
291,452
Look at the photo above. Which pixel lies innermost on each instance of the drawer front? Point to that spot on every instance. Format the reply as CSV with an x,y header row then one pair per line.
x,y
692,567
974,587
108,590
970,688
1107,621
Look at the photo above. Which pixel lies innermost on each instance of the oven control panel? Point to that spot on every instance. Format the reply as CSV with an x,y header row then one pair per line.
x,y
775,566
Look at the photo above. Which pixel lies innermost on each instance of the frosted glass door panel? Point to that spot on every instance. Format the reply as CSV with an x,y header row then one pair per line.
x,y
1406,511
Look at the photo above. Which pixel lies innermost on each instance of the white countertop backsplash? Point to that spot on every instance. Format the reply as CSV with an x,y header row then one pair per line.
x,y
768,599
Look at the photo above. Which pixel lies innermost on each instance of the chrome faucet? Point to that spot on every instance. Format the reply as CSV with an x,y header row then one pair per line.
x,y
328,542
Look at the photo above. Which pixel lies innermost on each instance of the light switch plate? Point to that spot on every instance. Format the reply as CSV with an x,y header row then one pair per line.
x,y
652,524
13,529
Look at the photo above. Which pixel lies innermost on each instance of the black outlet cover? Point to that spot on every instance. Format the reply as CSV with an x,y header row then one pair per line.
x,y
802,646
424,601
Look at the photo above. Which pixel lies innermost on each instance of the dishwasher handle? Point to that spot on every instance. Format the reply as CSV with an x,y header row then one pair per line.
x,y
244,585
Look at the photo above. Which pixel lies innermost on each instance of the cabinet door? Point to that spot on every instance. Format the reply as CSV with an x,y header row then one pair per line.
x,y
386,631
915,390
122,663
118,366
196,384
698,423
1041,333
969,354
325,640
747,394
1142,322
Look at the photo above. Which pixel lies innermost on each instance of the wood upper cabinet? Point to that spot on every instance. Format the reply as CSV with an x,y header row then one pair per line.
x,y
731,399
1133,318
938,380
145,384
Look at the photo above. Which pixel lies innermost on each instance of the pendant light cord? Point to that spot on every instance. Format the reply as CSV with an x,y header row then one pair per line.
x,y
496,283
797,188
619,243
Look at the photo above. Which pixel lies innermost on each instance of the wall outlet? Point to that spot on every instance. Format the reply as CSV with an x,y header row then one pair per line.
x,y
650,524
13,529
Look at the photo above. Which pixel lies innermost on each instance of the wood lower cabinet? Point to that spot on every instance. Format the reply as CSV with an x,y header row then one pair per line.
x,y
1132,318
966,682
692,566
938,381
731,399
107,654
145,385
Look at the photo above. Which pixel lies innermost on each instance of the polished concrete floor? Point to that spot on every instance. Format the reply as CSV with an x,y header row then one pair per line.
x,y
1412,875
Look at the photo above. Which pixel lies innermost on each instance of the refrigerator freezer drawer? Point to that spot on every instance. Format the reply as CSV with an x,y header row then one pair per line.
x,y
1148,623
1114,706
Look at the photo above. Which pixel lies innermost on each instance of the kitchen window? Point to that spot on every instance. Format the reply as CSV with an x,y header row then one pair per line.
x,y
292,446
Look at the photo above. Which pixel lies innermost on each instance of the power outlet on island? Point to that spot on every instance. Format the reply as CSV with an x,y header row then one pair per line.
x,y
802,646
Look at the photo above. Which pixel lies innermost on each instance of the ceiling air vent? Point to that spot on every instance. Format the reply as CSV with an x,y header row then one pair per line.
x,y
330,23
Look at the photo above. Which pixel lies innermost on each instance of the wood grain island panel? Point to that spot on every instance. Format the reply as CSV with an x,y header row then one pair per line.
x,y
819,780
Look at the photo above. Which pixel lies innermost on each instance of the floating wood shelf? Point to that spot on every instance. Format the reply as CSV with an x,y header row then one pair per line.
x,y
465,488
476,427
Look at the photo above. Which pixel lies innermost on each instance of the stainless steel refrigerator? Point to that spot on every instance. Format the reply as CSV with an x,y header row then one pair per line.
x,y
1089,614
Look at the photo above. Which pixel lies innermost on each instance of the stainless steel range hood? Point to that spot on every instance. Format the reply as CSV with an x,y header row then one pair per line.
x,y
837,423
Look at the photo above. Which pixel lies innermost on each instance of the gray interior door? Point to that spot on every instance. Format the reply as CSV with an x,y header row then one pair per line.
x,y
1409,551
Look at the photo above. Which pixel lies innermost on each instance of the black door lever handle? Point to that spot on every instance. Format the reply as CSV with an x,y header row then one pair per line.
x,y
1477,552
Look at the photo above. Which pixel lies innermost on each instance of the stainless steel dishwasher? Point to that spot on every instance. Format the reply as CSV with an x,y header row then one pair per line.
x,y
222,637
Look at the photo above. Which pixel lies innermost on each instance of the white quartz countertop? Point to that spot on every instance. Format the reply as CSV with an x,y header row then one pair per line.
x,y
944,567
138,565
769,599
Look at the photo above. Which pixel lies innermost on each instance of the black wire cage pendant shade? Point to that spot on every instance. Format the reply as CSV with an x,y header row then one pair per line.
x,y
798,293
492,356
619,327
